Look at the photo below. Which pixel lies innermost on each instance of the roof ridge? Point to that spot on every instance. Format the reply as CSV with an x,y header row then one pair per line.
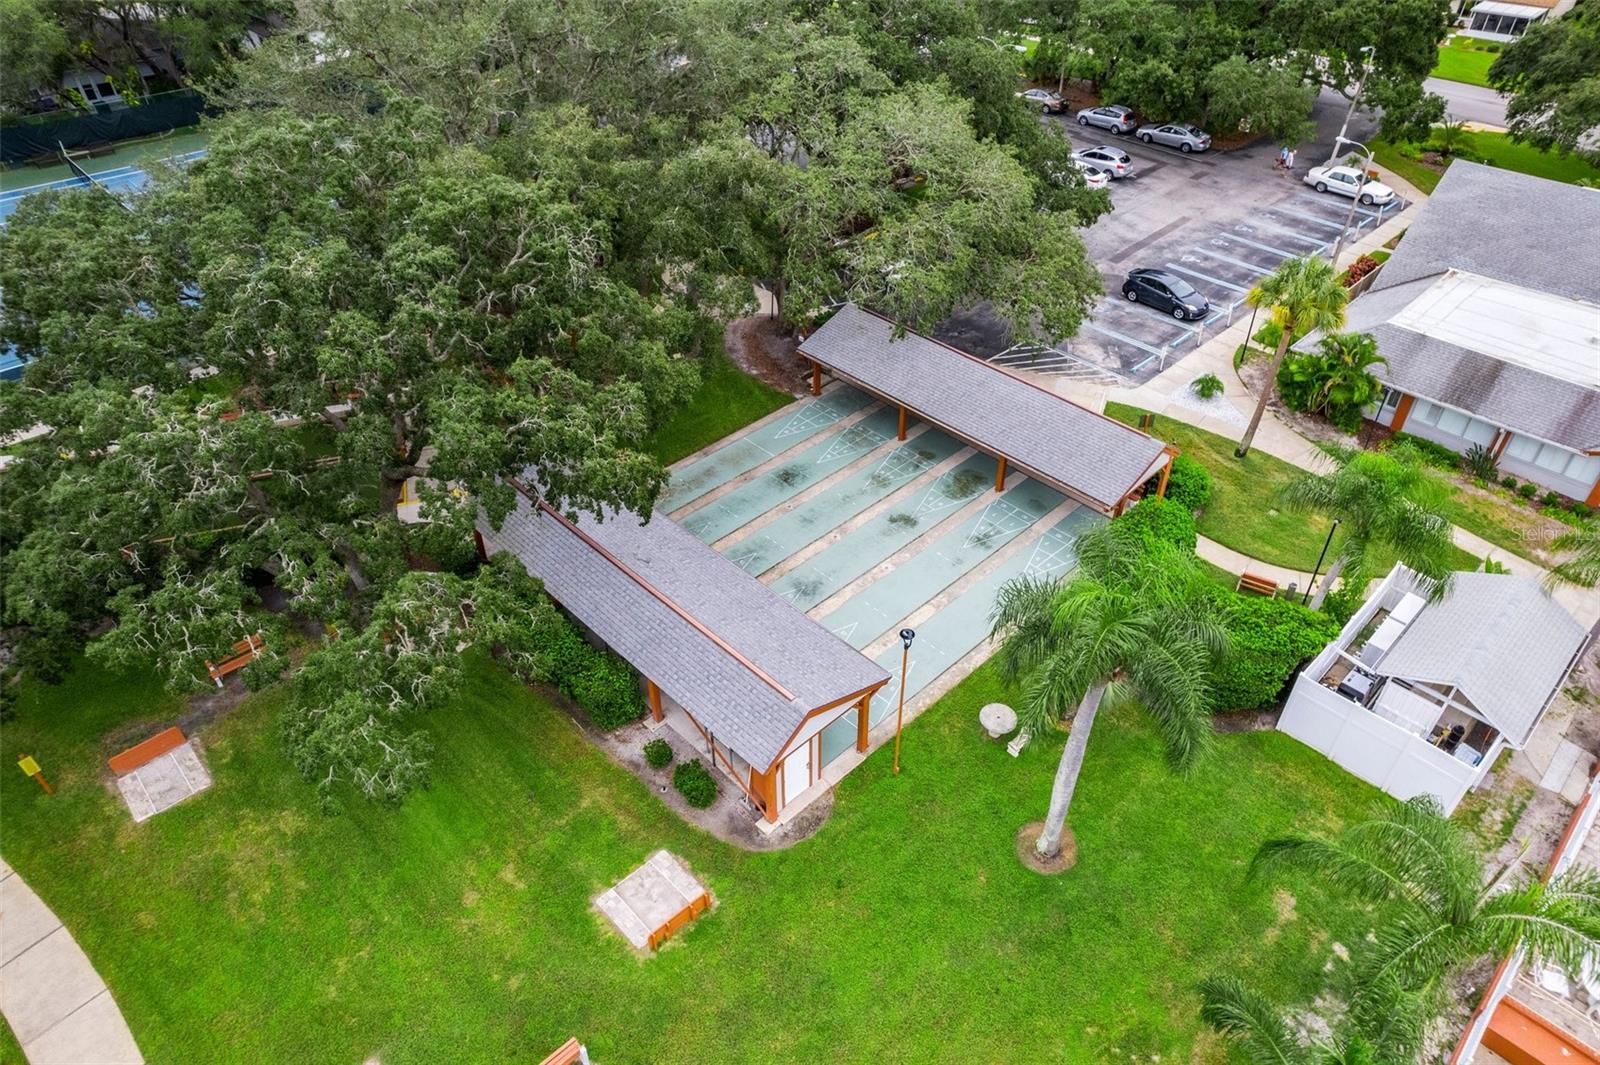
x,y
658,594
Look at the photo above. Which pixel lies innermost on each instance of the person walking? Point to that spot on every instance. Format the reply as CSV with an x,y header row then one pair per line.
x,y
1288,161
1283,158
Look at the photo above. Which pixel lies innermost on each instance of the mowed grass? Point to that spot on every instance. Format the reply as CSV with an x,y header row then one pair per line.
x,y
1464,59
246,926
1494,149
728,399
10,1049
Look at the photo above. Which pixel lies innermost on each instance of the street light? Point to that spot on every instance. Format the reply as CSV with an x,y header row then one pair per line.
x,y
906,636
1355,198
1325,545
1366,68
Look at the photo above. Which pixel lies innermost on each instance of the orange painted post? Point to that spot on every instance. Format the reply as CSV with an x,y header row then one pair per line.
x,y
1594,495
1166,472
1499,446
655,699
1000,475
816,379
902,435
1402,411
861,722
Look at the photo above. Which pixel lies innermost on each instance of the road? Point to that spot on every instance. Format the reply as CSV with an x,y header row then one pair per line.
x,y
1470,103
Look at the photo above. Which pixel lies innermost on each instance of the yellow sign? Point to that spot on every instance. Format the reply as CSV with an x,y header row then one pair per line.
x,y
29,766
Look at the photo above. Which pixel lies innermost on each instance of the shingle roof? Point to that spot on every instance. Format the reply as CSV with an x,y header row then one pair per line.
x,y
1499,639
749,671
1086,454
1513,228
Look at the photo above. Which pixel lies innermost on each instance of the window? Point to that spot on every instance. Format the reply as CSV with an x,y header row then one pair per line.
x,y
1584,468
1425,412
1452,422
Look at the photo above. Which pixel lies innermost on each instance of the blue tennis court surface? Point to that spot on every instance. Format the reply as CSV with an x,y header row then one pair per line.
x,y
770,489
118,180
798,423
765,548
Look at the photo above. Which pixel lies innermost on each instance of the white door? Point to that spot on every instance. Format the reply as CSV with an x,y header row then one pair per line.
x,y
796,772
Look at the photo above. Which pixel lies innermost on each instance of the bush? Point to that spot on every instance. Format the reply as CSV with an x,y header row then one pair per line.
x,y
695,783
1528,490
1269,639
1434,454
1552,499
657,754
1581,510
1163,519
1481,462
1493,565
1341,603
1359,269
1335,381
1189,484
1206,386
1508,481
600,682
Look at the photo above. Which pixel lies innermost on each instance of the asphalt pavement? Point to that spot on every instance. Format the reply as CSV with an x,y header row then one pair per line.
x,y
1470,103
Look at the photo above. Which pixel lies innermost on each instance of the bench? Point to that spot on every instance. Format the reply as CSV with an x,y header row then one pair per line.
x,y
1249,582
246,651
148,751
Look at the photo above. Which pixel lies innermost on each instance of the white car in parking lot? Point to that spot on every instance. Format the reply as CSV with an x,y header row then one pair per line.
x,y
1348,181
1114,161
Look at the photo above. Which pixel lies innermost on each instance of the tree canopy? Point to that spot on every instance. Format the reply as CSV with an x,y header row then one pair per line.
x,y
1553,75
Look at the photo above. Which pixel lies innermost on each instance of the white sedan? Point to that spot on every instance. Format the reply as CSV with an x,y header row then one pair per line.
x,y
1348,181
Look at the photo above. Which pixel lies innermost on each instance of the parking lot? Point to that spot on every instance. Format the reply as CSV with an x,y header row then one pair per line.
x,y
1220,220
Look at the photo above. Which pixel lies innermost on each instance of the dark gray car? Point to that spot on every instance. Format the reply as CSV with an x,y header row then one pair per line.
x,y
1115,117
1184,137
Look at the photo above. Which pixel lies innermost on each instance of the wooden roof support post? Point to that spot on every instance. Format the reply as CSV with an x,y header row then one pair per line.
x,y
1166,471
863,712
1000,475
655,699
816,378
902,435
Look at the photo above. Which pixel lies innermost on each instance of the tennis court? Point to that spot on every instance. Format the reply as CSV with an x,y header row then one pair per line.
x,y
117,180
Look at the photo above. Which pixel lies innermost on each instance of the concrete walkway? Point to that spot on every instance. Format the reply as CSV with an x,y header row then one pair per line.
x,y
56,1004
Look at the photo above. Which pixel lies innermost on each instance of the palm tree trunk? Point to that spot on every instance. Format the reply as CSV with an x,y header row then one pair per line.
x,y
1327,584
1266,392
1066,782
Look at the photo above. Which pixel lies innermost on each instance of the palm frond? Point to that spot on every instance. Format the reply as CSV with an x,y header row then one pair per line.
x,y
1251,1020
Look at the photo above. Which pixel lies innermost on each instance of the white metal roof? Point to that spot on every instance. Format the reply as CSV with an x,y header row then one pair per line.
x,y
1541,331
1497,7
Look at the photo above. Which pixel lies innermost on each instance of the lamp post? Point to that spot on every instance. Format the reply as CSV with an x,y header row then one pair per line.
x,y
1366,68
1325,545
1350,215
906,636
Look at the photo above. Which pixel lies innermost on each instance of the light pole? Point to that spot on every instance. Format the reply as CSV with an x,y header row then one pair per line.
x,y
1344,128
906,636
1355,198
1325,545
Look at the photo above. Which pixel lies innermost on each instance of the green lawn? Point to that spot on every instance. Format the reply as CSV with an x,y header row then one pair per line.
x,y
1244,513
245,926
728,400
1495,149
10,1050
1464,59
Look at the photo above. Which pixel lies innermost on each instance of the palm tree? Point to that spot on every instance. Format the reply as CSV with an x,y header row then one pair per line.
x,y
1582,564
1304,294
1438,914
1383,499
1388,1029
1133,624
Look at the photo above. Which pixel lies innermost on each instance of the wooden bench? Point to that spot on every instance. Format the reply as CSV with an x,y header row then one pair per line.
x,y
1249,582
148,751
245,651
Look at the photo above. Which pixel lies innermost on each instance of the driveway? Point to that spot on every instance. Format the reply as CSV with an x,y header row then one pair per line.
x,y
1221,220
1470,103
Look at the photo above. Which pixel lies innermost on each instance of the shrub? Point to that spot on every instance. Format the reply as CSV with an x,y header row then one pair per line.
x,y
1189,484
1269,638
1481,462
1341,603
1528,490
1206,386
1493,565
1508,481
1581,510
1336,380
1552,499
657,754
1433,454
1359,269
1163,519
600,682
695,783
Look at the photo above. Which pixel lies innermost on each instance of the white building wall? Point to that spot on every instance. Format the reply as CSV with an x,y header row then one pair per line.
x,y
1378,752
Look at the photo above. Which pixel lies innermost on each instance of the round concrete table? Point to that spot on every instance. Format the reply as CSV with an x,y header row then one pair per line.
x,y
997,719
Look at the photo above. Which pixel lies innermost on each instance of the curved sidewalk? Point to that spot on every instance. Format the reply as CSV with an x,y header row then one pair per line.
x,y
56,1004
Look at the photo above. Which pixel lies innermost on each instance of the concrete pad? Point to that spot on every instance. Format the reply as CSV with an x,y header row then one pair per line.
x,y
24,918
649,898
45,984
163,782
1567,757
95,1034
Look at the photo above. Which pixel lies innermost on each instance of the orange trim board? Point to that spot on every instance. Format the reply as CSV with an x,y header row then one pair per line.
x,y
1522,1037
148,751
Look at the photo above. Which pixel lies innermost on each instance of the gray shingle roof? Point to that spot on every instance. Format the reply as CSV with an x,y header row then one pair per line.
x,y
1499,639
1088,455
725,695
1513,228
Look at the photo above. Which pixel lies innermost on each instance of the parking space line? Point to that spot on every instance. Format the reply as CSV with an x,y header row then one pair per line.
x,y
1318,219
1207,277
1293,234
1263,247
1252,267
1114,335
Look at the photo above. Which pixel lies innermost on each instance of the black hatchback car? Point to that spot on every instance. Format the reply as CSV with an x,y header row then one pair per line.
x,y
1165,292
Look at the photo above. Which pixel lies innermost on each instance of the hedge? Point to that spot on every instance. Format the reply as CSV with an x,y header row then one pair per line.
x,y
1163,519
599,681
695,784
1269,638
1189,483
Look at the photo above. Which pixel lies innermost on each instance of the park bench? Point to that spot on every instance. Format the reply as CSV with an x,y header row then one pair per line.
x,y
245,651
1249,582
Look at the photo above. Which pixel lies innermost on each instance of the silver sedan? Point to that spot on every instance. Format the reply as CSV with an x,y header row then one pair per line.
x,y
1184,137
